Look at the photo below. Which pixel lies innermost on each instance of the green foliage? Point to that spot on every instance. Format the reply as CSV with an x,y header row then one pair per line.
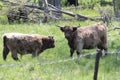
x,y
63,2
118,4
1,5
90,4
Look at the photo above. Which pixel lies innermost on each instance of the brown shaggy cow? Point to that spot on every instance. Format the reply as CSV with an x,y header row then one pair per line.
x,y
86,37
25,44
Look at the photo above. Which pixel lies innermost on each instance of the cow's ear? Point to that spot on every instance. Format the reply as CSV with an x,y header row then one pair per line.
x,y
74,28
62,29
51,37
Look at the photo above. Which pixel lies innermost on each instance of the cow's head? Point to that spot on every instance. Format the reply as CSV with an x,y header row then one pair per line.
x,y
48,42
51,40
68,31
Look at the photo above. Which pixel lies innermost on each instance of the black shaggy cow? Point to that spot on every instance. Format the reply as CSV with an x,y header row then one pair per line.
x,y
25,44
72,2
86,37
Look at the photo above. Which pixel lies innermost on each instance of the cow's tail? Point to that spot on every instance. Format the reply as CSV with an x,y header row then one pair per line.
x,y
5,48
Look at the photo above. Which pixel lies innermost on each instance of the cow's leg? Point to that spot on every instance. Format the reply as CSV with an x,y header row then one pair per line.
x,y
104,44
105,47
99,47
14,55
79,49
71,52
34,54
106,51
78,54
5,52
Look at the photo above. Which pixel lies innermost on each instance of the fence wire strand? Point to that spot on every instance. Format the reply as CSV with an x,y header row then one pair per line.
x,y
50,62
45,63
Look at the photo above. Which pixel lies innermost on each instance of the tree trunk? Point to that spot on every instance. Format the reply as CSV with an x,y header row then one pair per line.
x,y
57,4
40,3
116,8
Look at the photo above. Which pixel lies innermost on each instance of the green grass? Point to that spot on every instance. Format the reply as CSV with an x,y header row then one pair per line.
x,y
27,68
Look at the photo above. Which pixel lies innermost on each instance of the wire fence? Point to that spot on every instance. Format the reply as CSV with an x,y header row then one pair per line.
x,y
51,62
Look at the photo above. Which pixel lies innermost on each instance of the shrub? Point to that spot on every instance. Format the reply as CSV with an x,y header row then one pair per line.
x,y
1,5
90,4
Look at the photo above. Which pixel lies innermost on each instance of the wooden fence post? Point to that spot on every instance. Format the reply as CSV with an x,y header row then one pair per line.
x,y
98,55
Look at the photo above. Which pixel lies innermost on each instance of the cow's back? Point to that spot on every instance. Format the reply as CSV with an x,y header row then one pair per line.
x,y
23,43
90,36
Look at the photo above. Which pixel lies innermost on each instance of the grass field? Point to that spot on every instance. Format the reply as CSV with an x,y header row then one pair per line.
x,y
50,64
